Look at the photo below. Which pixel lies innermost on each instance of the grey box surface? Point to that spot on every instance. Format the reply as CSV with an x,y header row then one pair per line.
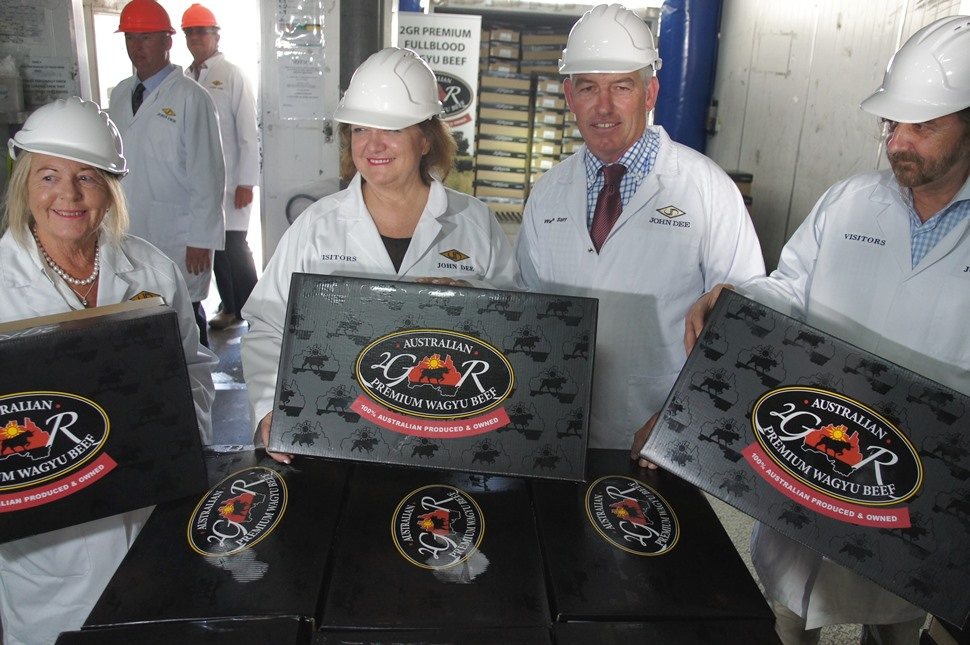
x,y
440,377
86,431
851,455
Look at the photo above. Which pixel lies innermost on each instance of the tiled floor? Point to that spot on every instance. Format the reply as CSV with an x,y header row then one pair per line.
x,y
230,412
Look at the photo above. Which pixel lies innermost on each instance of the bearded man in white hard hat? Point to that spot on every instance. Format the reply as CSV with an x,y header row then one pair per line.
x,y
643,224
882,261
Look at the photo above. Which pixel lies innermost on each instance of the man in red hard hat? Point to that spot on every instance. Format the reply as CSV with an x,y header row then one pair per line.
x,y
234,267
171,137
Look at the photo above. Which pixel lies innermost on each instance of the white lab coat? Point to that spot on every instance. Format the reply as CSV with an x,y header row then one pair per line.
x,y
650,270
848,270
236,107
176,180
336,236
50,582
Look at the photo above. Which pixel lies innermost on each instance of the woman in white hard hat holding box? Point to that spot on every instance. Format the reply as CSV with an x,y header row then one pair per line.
x,y
64,248
394,220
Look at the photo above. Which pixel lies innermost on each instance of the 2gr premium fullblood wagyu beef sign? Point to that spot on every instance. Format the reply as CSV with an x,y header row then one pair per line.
x,y
855,457
443,377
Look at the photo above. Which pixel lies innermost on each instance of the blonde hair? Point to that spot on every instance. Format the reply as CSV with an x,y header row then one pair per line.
x,y
435,165
18,219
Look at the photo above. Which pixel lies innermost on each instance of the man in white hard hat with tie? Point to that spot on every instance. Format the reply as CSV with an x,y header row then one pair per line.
x,y
634,219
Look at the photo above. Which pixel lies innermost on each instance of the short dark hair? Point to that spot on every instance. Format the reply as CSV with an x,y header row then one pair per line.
x,y
435,165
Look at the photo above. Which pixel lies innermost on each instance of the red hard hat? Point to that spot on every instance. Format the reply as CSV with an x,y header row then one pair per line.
x,y
144,17
198,16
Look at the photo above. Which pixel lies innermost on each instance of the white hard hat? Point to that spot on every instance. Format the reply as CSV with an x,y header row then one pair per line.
x,y
609,39
74,129
929,76
390,90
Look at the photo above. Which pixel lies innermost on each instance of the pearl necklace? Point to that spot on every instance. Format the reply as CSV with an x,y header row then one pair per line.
x,y
69,279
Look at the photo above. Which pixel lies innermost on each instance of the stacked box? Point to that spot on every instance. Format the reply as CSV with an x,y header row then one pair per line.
x,y
508,212
85,430
504,131
255,545
547,129
541,51
461,553
659,550
478,636
828,444
572,138
669,632
499,50
282,630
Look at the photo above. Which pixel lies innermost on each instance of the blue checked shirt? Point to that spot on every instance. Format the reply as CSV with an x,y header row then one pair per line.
x,y
639,160
925,235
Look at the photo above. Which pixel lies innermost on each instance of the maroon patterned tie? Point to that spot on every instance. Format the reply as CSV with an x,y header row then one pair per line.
x,y
608,205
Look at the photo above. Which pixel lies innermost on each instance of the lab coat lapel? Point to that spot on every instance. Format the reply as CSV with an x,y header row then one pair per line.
x,y
117,276
362,234
435,219
22,270
893,223
573,187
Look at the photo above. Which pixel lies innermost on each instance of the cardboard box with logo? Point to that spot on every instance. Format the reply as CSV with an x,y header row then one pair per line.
x,y
632,544
256,544
668,632
279,630
434,549
86,430
477,636
436,376
858,458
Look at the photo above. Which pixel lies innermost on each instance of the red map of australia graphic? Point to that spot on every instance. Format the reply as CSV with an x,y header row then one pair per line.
x,y
629,510
434,371
15,438
237,509
836,442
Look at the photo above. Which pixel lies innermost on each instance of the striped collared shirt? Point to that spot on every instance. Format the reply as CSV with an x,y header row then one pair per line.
x,y
638,159
926,235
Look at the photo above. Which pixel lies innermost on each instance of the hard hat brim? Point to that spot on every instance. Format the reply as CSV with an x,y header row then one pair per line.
x,y
377,120
64,152
601,67
884,105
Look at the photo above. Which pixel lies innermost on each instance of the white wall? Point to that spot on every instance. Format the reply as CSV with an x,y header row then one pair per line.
x,y
300,156
790,77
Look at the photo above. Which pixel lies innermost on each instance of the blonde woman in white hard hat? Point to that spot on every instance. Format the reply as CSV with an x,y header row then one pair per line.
x,y
394,221
682,227
883,261
64,248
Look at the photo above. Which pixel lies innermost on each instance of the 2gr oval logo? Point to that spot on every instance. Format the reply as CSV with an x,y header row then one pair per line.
x,y
434,374
837,446
454,93
238,512
437,527
44,435
632,516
